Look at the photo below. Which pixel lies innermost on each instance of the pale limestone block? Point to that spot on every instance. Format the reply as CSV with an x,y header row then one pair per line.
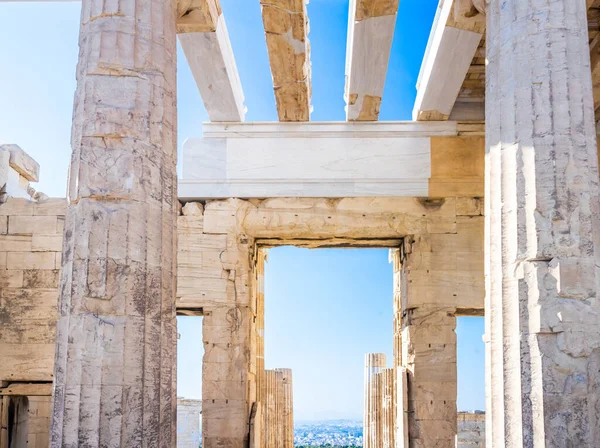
x,y
21,162
27,362
30,260
11,279
50,207
46,243
21,225
188,226
3,225
469,206
221,390
16,243
17,207
430,409
37,278
192,209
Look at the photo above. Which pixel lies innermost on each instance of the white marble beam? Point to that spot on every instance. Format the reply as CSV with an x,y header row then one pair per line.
x,y
205,42
305,167
371,27
452,45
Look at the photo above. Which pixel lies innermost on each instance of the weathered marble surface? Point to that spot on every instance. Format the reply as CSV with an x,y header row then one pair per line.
x,y
116,334
543,232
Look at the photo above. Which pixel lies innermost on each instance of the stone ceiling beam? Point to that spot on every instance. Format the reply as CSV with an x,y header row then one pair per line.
x,y
286,29
203,36
457,30
371,26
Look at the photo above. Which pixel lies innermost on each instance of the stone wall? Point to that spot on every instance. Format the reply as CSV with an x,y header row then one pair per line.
x,y
471,430
188,423
219,254
219,247
30,259
39,422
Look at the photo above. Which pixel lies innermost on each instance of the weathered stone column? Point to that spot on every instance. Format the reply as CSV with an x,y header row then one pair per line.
x,y
388,408
116,335
542,227
372,425
288,408
429,356
273,416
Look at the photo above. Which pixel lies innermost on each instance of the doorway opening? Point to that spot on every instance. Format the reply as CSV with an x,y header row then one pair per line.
x,y
324,310
190,352
471,379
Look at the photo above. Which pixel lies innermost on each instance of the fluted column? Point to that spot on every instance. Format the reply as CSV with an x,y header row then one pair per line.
x,y
287,408
372,425
542,227
116,337
388,406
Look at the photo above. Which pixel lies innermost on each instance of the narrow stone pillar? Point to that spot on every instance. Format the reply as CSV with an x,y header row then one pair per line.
x,y
372,431
541,227
429,356
287,408
114,381
273,429
388,408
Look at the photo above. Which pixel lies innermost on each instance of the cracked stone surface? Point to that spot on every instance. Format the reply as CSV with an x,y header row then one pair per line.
x,y
542,332
116,334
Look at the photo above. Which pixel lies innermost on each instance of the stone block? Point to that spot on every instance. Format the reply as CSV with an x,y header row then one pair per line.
x,y
228,409
50,207
17,207
36,278
22,163
223,390
225,442
11,278
223,352
24,225
193,208
3,225
431,353
31,260
441,372
423,390
46,243
469,206
15,243
431,429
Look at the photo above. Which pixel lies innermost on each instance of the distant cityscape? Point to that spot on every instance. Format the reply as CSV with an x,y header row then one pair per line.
x,y
328,433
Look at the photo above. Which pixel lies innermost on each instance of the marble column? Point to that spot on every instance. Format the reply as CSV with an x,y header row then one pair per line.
x,y
388,408
541,227
287,408
375,363
116,335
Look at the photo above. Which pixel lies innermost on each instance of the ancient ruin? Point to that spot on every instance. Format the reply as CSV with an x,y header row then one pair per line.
x,y
488,200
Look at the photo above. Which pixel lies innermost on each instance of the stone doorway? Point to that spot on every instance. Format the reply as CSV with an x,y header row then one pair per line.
x,y
437,275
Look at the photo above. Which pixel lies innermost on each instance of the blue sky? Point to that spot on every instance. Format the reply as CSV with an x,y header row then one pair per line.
x,y
38,46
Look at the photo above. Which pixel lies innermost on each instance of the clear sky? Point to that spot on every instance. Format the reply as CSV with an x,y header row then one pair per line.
x,y
38,51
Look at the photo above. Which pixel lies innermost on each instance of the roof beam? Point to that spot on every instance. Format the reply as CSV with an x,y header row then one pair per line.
x,y
286,30
455,36
371,26
203,36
